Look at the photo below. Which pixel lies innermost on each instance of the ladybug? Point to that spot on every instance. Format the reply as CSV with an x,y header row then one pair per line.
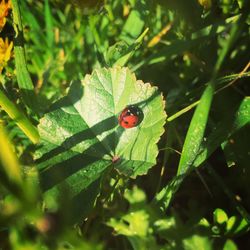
x,y
130,117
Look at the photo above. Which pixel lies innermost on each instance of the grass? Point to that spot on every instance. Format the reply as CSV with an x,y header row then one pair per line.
x,y
196,196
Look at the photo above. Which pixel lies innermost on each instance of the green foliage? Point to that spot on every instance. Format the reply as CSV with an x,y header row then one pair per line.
x,y
90,183
82,129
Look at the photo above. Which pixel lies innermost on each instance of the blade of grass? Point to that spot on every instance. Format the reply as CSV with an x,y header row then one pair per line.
x,y
20,119
131,49
177,47
191,147
8,159
240,75
36,35
221,83
215,28
232,36
196,131
232,78
224,131
10,170
99,47
92,24
180,46
133,26
197,126
23,77
49,24
11,177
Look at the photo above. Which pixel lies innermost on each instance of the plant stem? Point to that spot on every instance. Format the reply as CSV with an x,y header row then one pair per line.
x,y
23,77
233,79
20,119
182,111
8,159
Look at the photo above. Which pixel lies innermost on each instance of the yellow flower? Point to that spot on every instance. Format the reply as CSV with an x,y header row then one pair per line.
x,y
5,52
4,9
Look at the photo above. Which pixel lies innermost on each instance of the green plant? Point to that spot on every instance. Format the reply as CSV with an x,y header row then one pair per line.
x,y
72,177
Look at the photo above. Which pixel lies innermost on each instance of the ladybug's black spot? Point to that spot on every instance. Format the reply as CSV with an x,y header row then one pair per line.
x,y
136,116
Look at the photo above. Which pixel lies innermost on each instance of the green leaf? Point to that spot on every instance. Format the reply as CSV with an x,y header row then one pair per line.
x,y
197,242
223,131
236,225
136,223
195,132
121,52
23,77
230,245
220,216
133,27
81,137
49,24
135,195
191,146
131,224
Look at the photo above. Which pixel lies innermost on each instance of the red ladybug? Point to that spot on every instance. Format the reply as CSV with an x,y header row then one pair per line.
x,y
130,117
